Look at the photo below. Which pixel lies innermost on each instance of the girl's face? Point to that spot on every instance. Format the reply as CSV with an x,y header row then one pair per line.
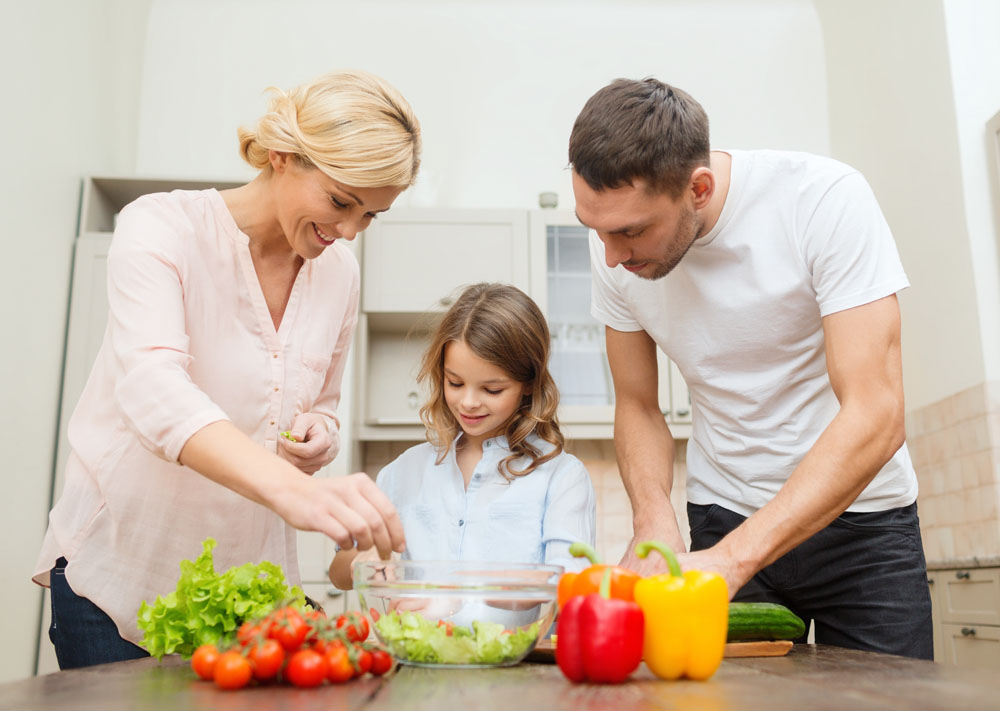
x,y
480,395
314,210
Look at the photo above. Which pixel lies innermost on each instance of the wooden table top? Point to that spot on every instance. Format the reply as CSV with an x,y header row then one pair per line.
x,y
812,677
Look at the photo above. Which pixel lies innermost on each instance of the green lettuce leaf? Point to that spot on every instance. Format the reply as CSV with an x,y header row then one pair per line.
x,y
412,637
207,607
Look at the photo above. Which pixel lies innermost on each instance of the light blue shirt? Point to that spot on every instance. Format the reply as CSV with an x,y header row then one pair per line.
x,y
532,519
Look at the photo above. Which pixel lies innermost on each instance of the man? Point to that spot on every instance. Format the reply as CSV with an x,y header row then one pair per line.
x,y
770,279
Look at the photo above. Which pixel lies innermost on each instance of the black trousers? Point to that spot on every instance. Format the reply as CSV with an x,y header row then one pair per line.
x,y
862,580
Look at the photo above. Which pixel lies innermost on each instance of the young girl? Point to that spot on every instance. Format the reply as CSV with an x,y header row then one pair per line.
x,y
493,482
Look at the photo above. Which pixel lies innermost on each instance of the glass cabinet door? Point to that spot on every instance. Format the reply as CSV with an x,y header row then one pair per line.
x,y
579,362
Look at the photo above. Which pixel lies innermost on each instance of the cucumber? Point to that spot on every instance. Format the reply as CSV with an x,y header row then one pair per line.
x,y
762,621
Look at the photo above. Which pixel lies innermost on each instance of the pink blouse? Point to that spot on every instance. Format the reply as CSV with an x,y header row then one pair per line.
x,y
189,341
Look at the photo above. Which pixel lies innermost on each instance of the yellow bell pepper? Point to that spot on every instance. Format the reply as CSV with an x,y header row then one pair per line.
x,y
687,616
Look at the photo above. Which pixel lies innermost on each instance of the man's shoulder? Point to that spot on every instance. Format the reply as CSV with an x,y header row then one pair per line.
x,y
794,164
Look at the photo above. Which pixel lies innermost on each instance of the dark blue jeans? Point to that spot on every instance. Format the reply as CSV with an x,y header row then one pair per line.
x,y
862,580
81,632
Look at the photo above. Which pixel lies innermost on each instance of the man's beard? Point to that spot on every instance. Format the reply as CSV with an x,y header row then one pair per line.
x,y
687,232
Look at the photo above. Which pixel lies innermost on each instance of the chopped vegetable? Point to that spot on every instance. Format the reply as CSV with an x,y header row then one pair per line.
x,y
412,637
207,606
287,434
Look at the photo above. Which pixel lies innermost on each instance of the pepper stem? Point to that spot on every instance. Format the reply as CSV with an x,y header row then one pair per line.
x,y
582,550
643,549
605,588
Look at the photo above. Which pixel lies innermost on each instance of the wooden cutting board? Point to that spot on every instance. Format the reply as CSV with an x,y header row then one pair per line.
x,y
545,652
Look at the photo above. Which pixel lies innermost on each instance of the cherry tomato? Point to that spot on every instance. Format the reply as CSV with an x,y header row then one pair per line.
x,y
363,665
289,629
267,658
203,660
354,625
338,665
232,671
449,627
322,645
249,632
381,662
306,668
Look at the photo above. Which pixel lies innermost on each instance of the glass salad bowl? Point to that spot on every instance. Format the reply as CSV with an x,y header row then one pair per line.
x,y
458,613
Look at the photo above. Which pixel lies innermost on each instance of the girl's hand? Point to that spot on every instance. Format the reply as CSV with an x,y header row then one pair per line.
x,y
348,509
314,446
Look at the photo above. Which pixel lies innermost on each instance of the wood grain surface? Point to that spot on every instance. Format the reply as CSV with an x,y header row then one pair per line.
x,y
812,677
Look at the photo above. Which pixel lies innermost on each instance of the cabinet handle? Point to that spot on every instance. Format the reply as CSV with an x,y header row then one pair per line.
x,y
446,300
968,631
683,412
413,400
334,592
962,574
930,581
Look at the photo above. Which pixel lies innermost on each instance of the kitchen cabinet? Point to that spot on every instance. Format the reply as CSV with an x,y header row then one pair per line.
x,y
435,252
966,612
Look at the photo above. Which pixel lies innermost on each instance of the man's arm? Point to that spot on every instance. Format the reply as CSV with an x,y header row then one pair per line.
x,y
643,445
865,369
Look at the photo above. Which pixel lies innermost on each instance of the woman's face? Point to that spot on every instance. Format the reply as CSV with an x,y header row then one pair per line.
x,y
314,210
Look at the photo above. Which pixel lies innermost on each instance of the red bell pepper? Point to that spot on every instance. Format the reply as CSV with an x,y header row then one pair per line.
x,y
599,638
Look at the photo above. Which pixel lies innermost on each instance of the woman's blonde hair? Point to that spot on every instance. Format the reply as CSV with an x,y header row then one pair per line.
x,y
352,125
503,326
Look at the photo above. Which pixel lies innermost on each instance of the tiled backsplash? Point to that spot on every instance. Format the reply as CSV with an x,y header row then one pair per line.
x,y
614,512
955,447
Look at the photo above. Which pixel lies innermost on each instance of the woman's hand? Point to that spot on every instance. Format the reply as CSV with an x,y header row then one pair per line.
x,y
348,509
315,445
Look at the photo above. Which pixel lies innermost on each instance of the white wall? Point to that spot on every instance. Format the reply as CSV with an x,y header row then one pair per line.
x,y
69,108
973,31
496,84
892,115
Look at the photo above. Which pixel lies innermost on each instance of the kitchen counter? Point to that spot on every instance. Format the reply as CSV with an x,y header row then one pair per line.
x,y
992,561
813,677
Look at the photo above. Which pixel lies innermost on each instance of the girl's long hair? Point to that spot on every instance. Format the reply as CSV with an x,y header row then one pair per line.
x,y
503,326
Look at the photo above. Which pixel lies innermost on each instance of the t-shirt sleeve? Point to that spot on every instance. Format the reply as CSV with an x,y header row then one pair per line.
x,y
607,303
570,513
147,331
849,249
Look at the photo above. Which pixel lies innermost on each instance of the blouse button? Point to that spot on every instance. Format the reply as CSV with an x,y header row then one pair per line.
x,y
275,355
276,389
272,422
461,522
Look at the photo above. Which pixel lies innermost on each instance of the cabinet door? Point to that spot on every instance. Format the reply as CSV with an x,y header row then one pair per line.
x,y
88,317
416,259
970,596
974,646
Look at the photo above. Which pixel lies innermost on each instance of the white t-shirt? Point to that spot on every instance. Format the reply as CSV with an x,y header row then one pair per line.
x,y
799,237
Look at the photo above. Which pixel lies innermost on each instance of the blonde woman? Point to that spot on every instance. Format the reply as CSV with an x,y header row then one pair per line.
x,y
231,314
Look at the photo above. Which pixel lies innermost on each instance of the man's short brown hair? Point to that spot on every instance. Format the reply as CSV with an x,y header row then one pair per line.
x,y
639,129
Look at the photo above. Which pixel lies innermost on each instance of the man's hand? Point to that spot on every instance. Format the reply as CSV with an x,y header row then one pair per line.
x,y
665,532
315,445
716,560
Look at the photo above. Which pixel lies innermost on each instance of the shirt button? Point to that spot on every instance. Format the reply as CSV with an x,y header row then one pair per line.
x,y
275,355
275,389
272,422
461,522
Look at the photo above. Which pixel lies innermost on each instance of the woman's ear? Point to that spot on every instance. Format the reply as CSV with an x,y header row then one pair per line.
x,y
278,160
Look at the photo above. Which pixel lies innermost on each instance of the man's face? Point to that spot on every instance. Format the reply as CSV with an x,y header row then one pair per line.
x,y
645,231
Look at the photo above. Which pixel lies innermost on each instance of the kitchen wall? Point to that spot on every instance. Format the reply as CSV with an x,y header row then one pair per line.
x,y
495,84
70,87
